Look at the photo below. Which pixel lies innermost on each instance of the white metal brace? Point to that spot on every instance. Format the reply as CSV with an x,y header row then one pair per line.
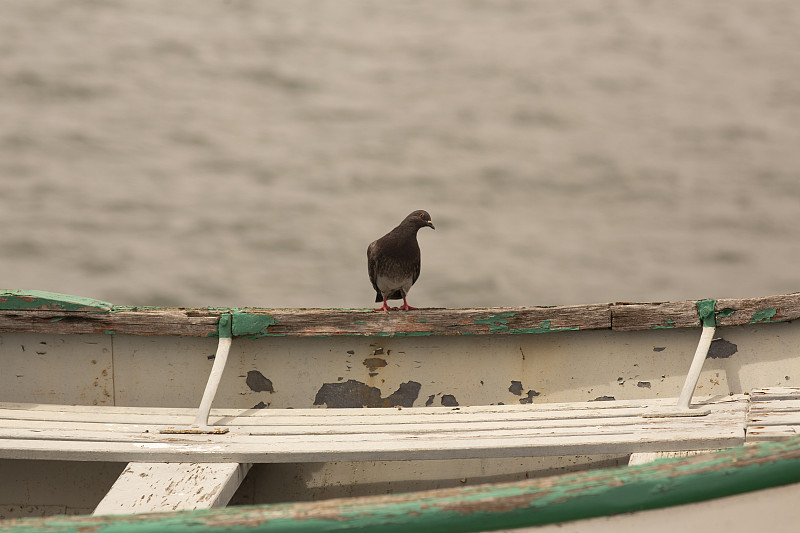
x,y
200,424
690,384
706,310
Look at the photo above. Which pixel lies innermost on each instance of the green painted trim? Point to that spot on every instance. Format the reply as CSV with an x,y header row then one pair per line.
x,y
705,308
51,301
251,324
558,499
725,312
225,329
496,323
763,316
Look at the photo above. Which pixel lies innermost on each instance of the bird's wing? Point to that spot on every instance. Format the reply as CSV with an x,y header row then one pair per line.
x,y
417,267
372,265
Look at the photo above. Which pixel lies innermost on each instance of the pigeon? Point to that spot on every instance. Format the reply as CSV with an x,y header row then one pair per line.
x,y
393,260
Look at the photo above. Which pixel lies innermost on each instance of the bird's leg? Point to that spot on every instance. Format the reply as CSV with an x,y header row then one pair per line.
x,y
405,306
385,307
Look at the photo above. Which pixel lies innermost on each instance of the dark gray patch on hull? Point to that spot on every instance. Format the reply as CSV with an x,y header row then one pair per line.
x,y
529,398
643,384
448,400
257,382
429,401
721,349
404,396
515,388
604,399
353,393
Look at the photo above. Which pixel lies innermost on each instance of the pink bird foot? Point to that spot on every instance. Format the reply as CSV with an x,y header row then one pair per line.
x,y
406,307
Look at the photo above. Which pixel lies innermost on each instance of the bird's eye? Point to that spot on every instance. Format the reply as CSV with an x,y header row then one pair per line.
x,y
421,215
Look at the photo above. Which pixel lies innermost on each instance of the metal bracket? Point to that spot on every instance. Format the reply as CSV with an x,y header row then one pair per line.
x,y
200,425
690,384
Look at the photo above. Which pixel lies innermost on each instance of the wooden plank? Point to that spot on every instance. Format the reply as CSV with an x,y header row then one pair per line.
x,y
666,315
644,458
185,322
505,320
167,487
774,418
770,433
22,299
310,322
779,308
773,414
246,417
37,314
340,434
377,432
351,425
775,393
397,449
783,406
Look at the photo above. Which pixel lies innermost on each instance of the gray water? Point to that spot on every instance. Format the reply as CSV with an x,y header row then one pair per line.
x,y
241,153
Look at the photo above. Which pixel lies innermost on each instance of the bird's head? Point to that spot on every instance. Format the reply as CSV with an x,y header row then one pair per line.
x,y
419,219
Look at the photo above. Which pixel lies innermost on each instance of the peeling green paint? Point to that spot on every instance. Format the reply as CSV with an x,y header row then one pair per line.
x,y
109,332
28,299
360,322
544,327
496,323
422,320
705,308
765,315
669,325
252,324
499,324
725,312
57,319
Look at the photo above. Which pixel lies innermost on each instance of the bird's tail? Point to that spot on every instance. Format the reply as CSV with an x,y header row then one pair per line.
x,y
396,295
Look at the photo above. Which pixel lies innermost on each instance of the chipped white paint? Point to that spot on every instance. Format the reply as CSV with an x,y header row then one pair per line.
x,y
773,414
367,434
649,457
164,487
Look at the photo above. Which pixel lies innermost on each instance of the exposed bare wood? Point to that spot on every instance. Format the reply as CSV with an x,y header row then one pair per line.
x,y
258,322
311,322
185,322
667,315
780,308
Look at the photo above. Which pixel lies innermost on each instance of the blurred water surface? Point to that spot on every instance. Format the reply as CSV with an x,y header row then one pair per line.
x,y
240,153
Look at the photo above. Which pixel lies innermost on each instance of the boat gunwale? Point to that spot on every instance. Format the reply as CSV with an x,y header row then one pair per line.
x,y
43,312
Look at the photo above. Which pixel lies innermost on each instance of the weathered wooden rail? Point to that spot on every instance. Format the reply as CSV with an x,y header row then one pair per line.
x,y
41,312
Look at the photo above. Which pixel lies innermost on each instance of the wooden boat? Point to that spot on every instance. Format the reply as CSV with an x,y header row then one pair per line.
x,y
99,412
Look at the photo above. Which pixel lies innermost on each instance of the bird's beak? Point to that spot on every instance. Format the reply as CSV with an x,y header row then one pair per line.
x,y
431,224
